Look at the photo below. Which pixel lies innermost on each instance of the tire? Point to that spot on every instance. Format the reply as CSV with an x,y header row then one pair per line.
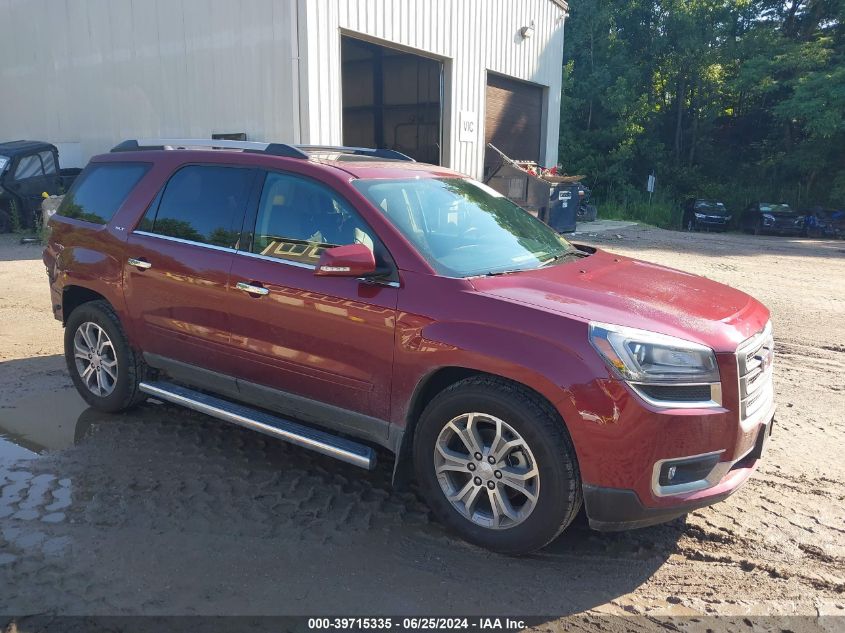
x,y
119,393
556,487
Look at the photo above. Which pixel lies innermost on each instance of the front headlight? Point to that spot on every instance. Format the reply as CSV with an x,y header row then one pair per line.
x,y
644,358
768,218
700,216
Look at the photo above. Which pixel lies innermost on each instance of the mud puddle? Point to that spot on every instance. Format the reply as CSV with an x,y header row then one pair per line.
x,y
38,424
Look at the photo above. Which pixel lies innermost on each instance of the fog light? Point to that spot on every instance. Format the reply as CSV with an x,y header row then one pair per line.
x,y
686,469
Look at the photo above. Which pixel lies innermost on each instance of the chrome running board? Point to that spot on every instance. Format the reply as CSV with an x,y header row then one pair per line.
x,y
295,433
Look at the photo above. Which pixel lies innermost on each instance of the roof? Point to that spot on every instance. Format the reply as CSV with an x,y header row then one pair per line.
x,y
13,148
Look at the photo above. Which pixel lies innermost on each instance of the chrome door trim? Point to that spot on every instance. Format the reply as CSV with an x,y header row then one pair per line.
x,y
225,249
287,262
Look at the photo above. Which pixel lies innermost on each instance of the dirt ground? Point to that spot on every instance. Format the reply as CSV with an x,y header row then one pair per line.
x,y
163,511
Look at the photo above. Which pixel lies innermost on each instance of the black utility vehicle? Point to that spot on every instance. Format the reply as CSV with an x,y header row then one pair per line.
x,y
709,215
766,217
27,170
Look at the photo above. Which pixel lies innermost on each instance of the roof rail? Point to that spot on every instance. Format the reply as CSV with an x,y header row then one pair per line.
x,y
390,154
275,149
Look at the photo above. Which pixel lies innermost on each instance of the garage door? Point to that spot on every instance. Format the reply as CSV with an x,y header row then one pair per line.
x,y
513,119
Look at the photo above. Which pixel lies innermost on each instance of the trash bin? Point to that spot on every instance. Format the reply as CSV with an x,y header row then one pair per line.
x,y
549,197
563,207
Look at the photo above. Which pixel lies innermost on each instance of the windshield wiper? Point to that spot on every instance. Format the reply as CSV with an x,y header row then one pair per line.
x,y
496,273
556,258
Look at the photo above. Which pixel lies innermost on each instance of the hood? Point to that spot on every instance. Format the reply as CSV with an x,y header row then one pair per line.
x,y
624,291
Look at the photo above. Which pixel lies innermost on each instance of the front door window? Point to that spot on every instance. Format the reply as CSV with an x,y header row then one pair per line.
x,y
298,219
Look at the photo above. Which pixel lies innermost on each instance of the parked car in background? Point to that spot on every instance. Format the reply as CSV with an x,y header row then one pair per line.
x,y
767,217
825,222
28,169
337,300
705,215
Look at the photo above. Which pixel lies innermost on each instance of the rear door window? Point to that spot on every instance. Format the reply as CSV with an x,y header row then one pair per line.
x,y
202,203
100,191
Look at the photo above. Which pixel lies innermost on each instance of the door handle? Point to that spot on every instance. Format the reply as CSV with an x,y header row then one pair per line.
x,y
139,263
251,289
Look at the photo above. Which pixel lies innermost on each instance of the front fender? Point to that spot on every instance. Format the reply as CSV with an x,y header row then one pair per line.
x,y
556,368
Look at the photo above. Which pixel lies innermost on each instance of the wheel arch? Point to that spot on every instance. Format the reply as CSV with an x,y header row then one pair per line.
x,y
74,296
425,391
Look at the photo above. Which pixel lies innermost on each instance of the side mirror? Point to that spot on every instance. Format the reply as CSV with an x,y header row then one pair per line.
x,y
352,260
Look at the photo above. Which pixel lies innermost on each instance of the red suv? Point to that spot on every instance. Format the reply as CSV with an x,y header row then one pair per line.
x,y
343,298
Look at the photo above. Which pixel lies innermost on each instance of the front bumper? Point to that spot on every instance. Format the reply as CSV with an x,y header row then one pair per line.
x,y
714,223
612,509
784,228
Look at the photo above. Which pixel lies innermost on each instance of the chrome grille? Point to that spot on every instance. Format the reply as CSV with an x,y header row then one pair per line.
x,y
754,362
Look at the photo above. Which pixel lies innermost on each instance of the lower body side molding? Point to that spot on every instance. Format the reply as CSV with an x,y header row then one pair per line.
x,y
295,433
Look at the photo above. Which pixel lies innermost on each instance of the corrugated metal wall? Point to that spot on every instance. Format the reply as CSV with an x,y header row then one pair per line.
x,y
470,36
97,71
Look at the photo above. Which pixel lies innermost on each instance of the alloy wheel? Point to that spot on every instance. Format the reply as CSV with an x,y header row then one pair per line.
x,y
95,359
486,470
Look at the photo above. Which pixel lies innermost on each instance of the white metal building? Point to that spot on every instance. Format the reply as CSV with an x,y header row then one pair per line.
x,y
436,79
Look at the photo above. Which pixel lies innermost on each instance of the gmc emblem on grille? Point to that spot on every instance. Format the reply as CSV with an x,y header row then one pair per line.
x,y
766,359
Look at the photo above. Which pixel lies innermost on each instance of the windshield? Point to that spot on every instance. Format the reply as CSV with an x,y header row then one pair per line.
x,y
710,206
4,160
464,228
767,207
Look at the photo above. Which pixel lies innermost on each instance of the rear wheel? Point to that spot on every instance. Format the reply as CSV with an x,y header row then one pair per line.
x,y
104,368
496,465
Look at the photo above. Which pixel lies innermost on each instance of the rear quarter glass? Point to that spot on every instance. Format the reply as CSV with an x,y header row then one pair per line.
x,y
100,191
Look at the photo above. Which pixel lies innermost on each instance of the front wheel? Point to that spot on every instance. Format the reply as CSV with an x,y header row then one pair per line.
x,y
496,465
105,370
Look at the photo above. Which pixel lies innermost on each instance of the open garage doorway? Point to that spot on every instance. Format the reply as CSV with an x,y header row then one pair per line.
x,y
391,99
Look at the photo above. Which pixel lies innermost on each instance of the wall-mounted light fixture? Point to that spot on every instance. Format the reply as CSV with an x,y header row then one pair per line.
x,y
527,31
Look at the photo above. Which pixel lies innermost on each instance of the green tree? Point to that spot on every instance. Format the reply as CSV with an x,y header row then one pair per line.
x,y
735,99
